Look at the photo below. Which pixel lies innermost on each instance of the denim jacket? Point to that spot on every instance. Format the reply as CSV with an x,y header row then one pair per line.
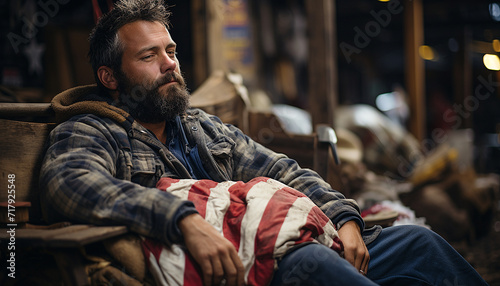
x,y
101,167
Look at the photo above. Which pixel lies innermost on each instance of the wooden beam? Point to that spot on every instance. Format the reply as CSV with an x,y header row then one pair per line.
x,y
208,17
200,41
215,19
323,84
415,72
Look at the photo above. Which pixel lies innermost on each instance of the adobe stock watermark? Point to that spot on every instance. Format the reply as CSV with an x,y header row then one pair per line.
x,y
372,29
456,114
137,94
30,27
267,134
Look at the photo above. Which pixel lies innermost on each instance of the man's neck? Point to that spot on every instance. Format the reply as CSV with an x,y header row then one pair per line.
x,y
158,130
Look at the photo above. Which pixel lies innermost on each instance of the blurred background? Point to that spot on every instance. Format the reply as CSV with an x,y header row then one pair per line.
x,y
429,65
415,81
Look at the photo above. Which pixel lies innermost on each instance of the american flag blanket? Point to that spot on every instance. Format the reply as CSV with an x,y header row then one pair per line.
x,y
263,218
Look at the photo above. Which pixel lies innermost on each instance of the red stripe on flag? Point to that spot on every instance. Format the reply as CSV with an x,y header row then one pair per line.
x,y
293,192
164,183
267,234
199,193
192,272
316,220
313,227
231,227
151,246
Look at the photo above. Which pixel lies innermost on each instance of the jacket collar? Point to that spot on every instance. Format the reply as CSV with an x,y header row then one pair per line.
x,y
87,100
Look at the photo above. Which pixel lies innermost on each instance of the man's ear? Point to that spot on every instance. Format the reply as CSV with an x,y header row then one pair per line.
x,y
107,77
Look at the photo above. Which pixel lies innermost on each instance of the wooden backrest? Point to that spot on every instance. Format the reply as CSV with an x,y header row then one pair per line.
x,y
22,145
265,128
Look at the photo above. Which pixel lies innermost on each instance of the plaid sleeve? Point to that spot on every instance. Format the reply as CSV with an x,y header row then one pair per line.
x,y
254,160
77,178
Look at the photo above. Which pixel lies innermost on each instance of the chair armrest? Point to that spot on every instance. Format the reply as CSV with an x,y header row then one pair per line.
x,y
327,135
8,109
64,237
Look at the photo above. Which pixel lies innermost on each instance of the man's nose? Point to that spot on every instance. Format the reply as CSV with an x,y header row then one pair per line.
x,y
168,64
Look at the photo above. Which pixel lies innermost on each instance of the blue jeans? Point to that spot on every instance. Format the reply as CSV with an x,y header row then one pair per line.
x,y
401,255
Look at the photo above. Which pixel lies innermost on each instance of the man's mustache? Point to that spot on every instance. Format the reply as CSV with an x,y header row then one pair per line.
x,y
169,77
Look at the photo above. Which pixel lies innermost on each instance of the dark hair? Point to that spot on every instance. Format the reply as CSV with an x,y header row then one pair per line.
x,y
105,46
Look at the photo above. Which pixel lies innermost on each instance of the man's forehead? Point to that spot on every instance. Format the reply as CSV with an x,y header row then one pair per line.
x,y
139,32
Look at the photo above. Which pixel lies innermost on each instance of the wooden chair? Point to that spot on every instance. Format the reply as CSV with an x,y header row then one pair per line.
x,y
316,151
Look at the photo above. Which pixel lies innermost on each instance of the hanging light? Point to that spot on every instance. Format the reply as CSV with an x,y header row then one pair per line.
x,y
426,53
496,45
494,11
491,62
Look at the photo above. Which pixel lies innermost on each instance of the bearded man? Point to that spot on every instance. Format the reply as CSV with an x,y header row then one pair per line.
x,y
116,141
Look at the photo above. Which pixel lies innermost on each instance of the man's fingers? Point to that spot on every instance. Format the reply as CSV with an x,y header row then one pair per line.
x,y
235,274
233,268
364,265
241,270
352,255
207,270
361,254
358,257
230,271
223,267
218,270
216,255
355,251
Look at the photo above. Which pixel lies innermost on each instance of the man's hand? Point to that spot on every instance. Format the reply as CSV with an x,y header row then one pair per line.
x,y
355,250
216,256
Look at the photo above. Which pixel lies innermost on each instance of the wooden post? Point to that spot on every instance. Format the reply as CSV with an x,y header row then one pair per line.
x,y
207,38
322,68
200,41
415,72
215,19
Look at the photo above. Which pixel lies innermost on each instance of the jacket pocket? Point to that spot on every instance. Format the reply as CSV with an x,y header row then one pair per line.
x,y
221,149
145,169
222,152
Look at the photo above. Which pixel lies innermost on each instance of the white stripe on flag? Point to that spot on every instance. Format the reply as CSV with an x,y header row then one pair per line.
x,y
257,199
290,229
181,188
217,204
327,236
172,262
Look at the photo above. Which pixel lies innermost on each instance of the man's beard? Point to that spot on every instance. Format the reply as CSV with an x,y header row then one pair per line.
x,y
146,103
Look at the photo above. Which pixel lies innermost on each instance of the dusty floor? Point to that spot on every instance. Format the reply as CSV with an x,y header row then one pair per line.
x,y
484,254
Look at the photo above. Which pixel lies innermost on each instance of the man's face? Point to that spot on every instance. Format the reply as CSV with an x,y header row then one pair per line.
x,y
150,82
